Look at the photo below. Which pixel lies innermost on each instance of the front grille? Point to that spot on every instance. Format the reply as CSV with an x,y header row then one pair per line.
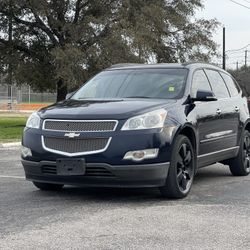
x,y
79,126
75,146
90,171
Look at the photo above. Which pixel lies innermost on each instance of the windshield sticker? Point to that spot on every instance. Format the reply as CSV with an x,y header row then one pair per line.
x,y
171,89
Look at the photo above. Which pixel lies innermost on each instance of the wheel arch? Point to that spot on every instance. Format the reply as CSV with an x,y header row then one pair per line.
x,y
189,131
247,126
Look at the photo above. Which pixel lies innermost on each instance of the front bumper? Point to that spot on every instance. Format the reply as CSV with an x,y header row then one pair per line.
x,y
121,142
101,174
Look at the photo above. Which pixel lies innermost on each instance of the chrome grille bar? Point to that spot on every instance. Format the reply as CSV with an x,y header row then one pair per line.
x,y
79,125
75,147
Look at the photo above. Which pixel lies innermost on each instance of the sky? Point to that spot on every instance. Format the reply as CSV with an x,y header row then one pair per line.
x,y
236,20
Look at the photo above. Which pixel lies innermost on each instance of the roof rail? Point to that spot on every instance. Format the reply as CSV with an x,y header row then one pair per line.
x,y
197,62
120,65
191,62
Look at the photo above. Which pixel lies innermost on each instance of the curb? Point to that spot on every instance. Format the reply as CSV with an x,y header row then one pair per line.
x,y
10,145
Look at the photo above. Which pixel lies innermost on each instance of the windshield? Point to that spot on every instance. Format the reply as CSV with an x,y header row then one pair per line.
x,y
137,83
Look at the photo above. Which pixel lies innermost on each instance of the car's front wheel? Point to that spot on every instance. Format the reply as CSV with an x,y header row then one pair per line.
x,y
240,165
48,186
181,171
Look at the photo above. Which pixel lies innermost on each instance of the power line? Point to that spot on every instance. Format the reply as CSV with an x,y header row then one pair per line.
x,y
240,4
235,50
235,57
235,53
247,1
232,56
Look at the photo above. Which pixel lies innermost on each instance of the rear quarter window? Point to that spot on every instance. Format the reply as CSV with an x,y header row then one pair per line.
x,y
232,86
218,85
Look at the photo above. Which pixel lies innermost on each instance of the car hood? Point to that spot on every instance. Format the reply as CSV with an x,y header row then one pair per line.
x,y
102,109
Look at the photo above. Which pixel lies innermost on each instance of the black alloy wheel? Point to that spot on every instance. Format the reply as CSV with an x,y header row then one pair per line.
x,y
181,171
184,167
246,153
240,165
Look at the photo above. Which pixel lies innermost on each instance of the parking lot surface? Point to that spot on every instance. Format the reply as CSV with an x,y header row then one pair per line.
x,y
214,216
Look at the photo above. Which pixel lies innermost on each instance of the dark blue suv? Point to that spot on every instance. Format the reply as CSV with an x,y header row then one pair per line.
x,y
140,126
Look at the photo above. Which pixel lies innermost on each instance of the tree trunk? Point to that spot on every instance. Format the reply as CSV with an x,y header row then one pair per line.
x,y
61,90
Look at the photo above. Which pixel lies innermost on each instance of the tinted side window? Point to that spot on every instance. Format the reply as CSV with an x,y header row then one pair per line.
x,y
218,85
200,81
233,88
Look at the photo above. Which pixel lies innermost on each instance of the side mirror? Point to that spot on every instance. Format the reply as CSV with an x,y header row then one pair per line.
x,y
204,96
69,95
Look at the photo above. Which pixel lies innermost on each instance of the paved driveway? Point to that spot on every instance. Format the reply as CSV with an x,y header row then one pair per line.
x,y
214,216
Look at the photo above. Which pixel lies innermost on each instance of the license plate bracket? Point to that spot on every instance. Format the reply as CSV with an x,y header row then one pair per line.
x,y
70,166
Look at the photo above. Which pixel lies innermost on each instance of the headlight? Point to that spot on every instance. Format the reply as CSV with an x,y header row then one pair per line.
x,y
154,119
33,121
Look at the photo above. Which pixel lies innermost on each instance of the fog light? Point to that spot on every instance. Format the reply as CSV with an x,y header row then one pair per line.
x,y
25,152
140,155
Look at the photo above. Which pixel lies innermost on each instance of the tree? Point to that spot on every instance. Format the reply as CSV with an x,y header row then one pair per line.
x,y
242,76
58,44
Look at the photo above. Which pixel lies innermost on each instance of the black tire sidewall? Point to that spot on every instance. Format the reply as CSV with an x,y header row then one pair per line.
x,y
172,185
236,164
246,133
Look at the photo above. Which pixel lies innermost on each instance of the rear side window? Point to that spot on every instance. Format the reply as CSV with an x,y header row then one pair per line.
x,y
200,81
233,88
218,85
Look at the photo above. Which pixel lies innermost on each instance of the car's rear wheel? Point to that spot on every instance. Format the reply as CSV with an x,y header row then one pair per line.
x,y
181,171
48,186
240,165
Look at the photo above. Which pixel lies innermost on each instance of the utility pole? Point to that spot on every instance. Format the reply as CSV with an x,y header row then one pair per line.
x,y
10,67
237,66
224,49
246,60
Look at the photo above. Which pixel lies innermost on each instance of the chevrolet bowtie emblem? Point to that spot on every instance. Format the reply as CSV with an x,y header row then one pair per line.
x,y
72,135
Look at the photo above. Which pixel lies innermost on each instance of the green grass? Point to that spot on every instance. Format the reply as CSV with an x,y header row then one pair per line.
x,y
11,128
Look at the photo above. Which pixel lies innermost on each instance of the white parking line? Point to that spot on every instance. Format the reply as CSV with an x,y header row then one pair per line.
x,y
12,177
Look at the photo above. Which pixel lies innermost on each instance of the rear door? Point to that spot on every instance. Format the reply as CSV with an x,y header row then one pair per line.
x,y
236,100
224,134
208,119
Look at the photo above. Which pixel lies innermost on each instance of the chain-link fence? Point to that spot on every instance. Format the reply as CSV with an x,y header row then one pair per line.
x,y
12,96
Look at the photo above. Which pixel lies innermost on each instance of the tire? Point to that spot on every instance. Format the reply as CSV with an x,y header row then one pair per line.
x,y
240,165
181,171
48,186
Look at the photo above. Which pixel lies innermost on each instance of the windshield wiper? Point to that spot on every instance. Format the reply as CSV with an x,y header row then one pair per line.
x,y
98,99
137,97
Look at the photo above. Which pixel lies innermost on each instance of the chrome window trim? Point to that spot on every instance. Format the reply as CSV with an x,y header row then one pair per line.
x,y
75,154
59,120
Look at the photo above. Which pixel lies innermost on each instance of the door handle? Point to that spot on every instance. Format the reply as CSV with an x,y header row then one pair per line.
x,y
218,111
237,109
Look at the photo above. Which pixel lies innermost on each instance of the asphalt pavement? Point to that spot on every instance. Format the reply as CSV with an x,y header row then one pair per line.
x,y
214,216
